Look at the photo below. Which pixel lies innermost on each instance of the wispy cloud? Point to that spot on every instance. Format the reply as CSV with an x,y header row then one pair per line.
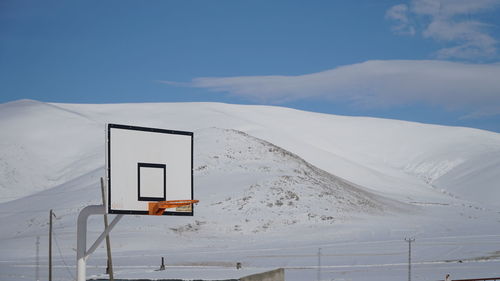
x,y
450,22
399,14
471,87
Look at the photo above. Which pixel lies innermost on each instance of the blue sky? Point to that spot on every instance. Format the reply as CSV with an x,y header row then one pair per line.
x,y
420,60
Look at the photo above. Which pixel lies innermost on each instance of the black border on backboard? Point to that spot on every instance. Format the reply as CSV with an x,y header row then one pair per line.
x,y
156,166
145,129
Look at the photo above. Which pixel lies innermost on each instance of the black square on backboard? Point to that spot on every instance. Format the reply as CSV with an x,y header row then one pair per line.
x,y
156,166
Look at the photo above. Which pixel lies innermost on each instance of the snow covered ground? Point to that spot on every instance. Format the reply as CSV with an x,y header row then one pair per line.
x,y
275,185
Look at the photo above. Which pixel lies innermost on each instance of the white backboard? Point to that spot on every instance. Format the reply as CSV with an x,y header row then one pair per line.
x,y
148,165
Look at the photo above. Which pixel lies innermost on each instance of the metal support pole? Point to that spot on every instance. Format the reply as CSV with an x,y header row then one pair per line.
x,y
81,237
319,264
103,235
109,268
50,245
37,272
409,240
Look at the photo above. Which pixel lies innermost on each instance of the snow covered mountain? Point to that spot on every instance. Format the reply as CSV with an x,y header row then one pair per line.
x,y
46,144
260,172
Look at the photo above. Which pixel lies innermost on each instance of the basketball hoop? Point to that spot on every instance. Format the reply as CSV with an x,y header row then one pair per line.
x,y
157,208
137,173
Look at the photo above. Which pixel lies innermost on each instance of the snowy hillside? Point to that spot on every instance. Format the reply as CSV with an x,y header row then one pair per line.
x,y
277,177
43,146
269,186
54,142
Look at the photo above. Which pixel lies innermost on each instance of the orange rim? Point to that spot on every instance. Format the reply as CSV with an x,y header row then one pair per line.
x,y
157,208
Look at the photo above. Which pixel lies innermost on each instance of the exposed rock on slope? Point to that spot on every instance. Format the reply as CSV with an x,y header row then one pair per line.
x,y
256,185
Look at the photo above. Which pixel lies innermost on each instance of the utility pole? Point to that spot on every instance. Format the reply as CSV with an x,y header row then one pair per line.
x,y
50,243
409,240
37,271
319,264
109,268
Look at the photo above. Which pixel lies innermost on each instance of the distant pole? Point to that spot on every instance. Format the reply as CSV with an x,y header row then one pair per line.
x,y
409,240
37,271
162,266
50,244
319,264
109,268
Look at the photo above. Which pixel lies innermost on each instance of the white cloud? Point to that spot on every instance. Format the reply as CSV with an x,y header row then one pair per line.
x,y
449,22
471,87
399,14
